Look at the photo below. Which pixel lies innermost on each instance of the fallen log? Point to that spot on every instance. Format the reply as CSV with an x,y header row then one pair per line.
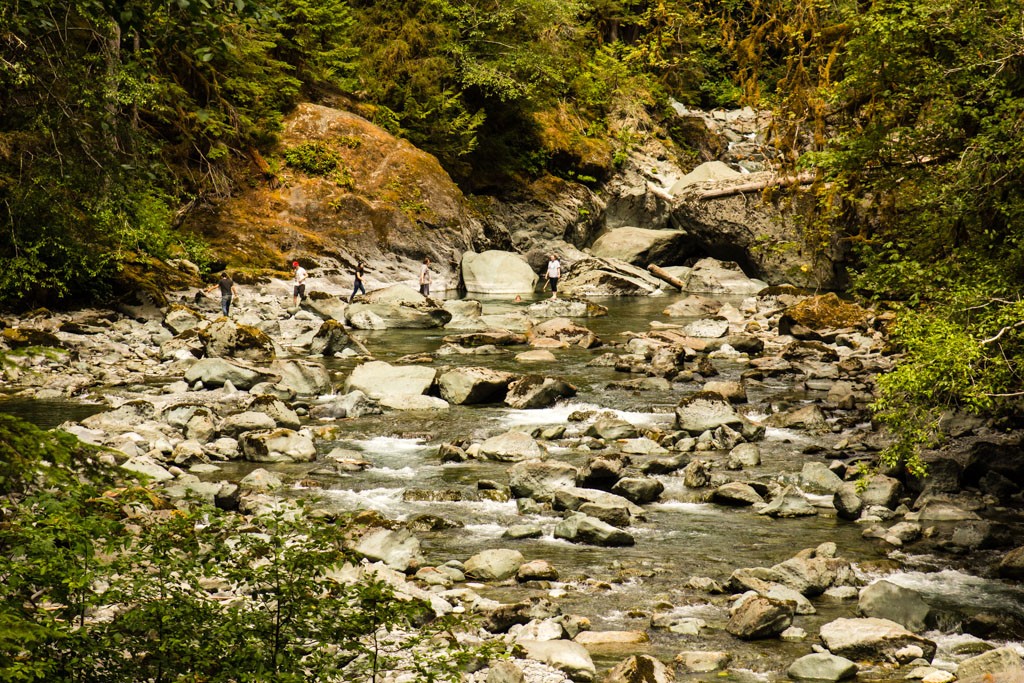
x,y
663,274
756,186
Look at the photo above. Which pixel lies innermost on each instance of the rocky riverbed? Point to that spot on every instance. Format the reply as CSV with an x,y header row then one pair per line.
x,y
670,486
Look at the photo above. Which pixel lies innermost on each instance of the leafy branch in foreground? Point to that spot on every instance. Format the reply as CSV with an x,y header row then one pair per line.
x,y
112,585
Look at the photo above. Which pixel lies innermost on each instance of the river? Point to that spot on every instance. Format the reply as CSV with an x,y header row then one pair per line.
x,y
682,537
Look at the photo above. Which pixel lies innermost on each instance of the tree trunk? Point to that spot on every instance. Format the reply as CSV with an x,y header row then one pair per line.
x,y
663,274
756,186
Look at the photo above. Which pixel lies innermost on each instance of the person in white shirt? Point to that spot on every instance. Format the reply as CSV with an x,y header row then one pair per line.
x,y
425,277
299,291
554,272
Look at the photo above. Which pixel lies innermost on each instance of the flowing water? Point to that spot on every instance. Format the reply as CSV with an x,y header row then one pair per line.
x,y
681,537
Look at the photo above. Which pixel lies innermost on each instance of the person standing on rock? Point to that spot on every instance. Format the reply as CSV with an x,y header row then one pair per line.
x,y
357,285
554,272
228,291
425,277
299,292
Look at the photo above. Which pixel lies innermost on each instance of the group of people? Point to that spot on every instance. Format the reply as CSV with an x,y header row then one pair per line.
x,y
229,290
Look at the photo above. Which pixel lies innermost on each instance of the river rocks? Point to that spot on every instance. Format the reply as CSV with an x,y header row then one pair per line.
x,y
816,477
277,445
377,379
1012,564
700,661
639,490
820,313
693,306
216,372
640,246
755,616
413,402
534,391
276,409
580,528
538,479
822,666
330,340
611,428
510,447
734,391
847,501
302,377
744,455
870,638
703,411
247,421
995,662
566,307
474,385
640,669
536,570
497,272
882,490
486,338
224,338
707,328
564,655
812,572
711,276
886,600
736,494
494,565
565,331
398,306
789,502
180,318
607,277
398,549
353,404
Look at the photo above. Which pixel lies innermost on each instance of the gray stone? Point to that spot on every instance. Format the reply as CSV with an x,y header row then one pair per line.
x,y
887,600
377,379
736,494
705,411
511,446
755,617
399,549
744,455
994,662
534,391
872,639
474,385
277,445
579,528
816,477
639,490
822,666
497,272
215,372
564,655
640,669
788,503
640,246
539,479
494,565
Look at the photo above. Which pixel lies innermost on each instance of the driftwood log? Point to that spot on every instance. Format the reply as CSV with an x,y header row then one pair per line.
x,y
756,186
663,274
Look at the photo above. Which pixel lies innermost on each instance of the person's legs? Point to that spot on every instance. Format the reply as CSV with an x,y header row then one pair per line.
x,y
225,305
554,287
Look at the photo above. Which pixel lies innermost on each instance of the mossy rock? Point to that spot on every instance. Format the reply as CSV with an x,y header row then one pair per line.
x,y
22,337
826,311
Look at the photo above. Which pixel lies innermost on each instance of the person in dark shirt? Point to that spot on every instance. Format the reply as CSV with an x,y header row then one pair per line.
x,y
228,290
357,285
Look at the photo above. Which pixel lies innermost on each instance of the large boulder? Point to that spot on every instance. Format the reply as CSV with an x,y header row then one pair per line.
x,y
640,669
215,372
871,639
886,600
304,377
580,528
398,549
564,655
331,339
497,272
378,379
510,447
607,277
399,306
823,312
566,307
474,385
711,276
277,445
539,479
400,206
1003,660
224,338
641,246
705,410
822,666
534,391
755,616
494,565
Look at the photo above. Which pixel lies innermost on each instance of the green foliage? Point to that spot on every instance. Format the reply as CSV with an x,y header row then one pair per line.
x,y
314,158
87,594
